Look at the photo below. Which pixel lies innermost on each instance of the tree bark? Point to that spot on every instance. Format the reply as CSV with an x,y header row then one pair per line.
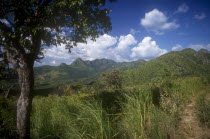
x,y
26,82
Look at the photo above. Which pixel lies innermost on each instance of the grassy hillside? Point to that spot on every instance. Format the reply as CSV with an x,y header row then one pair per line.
x,y
187,62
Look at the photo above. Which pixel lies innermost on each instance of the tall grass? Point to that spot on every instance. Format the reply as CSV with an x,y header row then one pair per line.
x,y
142,119
203,107
131,113
186,88
69,117
136,114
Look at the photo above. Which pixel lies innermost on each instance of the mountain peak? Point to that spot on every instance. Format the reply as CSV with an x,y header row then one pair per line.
x,y
188,50
204,51
63,65
79,59
78,62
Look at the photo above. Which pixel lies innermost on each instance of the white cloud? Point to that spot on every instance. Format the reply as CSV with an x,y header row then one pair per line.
x,y
59,52
105,46
122,51
125,41
133,31
182,8
157,22
89,51
147,49
200,17
177,47
116,49
53,62
197,47
95,49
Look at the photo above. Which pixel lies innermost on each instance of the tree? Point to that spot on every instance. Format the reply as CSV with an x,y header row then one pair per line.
x,y
28,25
113,79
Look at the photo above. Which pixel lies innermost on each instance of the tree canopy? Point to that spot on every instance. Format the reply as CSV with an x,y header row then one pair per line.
x,y
25,25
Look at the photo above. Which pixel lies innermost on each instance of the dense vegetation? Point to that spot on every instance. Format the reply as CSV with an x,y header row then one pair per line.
x,y
144,102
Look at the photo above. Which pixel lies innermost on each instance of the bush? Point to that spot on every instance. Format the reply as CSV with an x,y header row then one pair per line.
x,y
113,79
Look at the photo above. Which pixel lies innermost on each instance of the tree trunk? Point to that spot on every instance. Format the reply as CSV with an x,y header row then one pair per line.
x,y
26,82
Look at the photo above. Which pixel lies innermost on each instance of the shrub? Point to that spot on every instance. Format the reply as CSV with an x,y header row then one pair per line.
x,y
113,79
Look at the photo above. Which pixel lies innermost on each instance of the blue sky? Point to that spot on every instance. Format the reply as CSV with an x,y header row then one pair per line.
x,y
144,29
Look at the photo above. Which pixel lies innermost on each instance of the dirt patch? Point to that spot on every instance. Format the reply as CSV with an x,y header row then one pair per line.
x,y
190,126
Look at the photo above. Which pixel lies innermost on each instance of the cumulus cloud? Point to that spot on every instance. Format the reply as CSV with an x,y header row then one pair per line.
x,y
147,49
89,51
95,49
122,51
200,16
125,41
177,47
157,22
59,52
182,8
106,46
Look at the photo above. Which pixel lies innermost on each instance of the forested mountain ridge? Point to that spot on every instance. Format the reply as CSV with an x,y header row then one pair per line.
x,y
79,70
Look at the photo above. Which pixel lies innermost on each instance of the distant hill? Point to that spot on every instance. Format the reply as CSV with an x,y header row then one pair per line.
x,y
187,62
79,70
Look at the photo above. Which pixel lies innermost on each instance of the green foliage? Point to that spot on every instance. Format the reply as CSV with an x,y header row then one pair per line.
x,y
112,79
72,89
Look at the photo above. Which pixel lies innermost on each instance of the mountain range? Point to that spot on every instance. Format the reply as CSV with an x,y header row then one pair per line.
x,y
187,62
79,70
